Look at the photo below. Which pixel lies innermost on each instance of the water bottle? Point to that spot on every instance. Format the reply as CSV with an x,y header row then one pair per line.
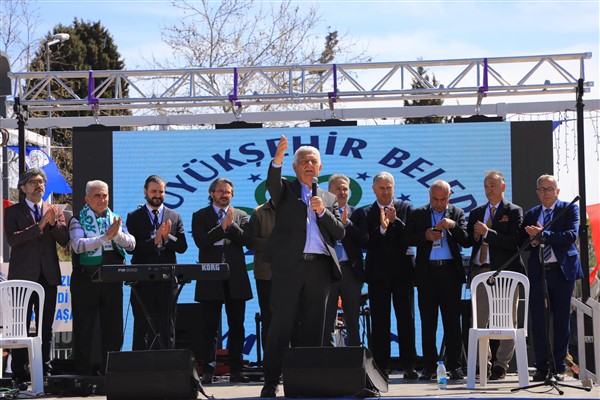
x,y
442,381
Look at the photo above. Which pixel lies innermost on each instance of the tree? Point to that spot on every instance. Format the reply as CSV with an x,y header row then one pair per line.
x,y
90,47
416,84
249,33
17,25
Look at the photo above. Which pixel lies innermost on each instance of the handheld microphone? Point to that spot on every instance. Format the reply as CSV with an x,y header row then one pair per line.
x,y
315,180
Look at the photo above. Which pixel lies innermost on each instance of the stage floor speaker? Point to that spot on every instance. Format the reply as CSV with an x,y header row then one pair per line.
x,y
157,374
331,372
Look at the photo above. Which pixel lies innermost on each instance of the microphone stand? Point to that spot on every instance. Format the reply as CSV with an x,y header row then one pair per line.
x,y
551,375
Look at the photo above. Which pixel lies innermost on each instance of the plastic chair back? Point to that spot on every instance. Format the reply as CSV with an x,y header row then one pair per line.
x,y
500,298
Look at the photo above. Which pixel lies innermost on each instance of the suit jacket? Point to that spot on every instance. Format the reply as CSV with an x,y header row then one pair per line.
x,y
355,239
33,252
206,230
502,237
145,252
286,244
562,236
386,254
260,226
414,235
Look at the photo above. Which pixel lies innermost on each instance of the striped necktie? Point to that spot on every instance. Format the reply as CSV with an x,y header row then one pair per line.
x,y
155,221
547,247
221,215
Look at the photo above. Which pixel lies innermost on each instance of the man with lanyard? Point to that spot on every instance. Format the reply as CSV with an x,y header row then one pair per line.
x,y
33,228
159,236
438,230
349,253
97,238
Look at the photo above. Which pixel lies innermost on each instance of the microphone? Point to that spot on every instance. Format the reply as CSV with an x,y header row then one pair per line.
x,y
315,180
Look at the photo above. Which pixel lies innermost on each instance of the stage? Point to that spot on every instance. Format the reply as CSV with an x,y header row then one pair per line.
x,y
401,389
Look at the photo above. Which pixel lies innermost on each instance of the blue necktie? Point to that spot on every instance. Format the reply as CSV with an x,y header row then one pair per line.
x,y
547,247
155,221
36,213
221,215
339,250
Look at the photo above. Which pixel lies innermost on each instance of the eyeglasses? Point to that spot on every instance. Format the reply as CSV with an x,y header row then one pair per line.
x,y
223,192
545,189
36,183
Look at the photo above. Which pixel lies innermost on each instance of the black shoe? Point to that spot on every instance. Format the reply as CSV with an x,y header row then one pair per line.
x,y
238,377
207,379
457,374
269,390
427,376
497,373
540,375
410,374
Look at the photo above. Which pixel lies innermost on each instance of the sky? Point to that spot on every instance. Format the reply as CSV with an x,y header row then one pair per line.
x,y
398,31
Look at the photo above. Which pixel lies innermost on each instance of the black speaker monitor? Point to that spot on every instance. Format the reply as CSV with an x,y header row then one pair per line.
x,y
331,372
150,375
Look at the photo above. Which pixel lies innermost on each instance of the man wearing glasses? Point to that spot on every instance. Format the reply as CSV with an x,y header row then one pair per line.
x,y
562,269
33,228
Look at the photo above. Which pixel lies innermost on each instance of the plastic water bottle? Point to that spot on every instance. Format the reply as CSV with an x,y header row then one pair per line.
x,y
442,381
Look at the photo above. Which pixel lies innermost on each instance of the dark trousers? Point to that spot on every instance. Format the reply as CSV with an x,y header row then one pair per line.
x,y
349,289
401,294
298,299
559,292
442,290
90,302
157,298
263,289
235,310
20,356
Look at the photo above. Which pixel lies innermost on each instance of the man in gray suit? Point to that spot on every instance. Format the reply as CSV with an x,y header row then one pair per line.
x,y
301,250
33,228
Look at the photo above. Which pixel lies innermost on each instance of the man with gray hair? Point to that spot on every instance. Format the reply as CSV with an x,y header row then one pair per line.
x,y
97,237
493,230
33,228
301,250
390,275
349,254
438,230
560,259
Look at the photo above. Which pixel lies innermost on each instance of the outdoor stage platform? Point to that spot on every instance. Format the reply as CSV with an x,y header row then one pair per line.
x,y
401,389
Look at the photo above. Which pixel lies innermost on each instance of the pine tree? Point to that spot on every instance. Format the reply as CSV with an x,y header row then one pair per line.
x,y
90,47
432,119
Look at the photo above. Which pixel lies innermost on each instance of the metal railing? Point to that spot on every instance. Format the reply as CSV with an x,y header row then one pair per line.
x,y
591,308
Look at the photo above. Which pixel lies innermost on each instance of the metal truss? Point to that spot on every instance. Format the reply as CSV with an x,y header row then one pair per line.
x,y
299,88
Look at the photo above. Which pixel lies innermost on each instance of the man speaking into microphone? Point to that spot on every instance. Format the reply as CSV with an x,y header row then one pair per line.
x,y
301,250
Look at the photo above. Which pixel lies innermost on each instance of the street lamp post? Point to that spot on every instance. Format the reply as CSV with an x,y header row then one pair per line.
x,y
56,38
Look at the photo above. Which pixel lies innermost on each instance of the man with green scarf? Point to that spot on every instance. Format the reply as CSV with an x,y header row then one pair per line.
x,y
97,237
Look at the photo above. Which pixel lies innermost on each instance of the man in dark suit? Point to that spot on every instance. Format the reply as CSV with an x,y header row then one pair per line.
x,y
159,236
349,254
33,228
562,269
493,231
390,275
302,255
97,238
438,230
220,232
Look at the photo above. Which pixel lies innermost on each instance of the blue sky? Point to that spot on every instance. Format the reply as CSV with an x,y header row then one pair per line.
x,y
390,31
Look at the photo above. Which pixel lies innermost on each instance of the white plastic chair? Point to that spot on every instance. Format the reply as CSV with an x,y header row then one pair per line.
x,y
501,324
14,296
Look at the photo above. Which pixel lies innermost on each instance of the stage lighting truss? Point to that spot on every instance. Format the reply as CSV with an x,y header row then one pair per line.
x,y
329,88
